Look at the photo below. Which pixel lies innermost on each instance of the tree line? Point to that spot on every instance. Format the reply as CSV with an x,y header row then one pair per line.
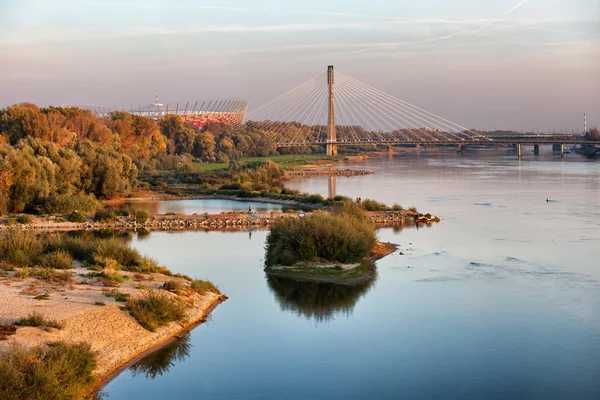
x,y
58,159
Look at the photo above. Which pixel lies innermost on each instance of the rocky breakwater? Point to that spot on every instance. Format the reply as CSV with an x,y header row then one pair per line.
x,y
224,221
328,172
400,217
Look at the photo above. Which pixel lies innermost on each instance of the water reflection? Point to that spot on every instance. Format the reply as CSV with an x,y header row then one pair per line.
x,y
314,300
159,362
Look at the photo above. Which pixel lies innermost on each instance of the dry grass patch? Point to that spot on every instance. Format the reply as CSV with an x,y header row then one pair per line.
x,y
155,308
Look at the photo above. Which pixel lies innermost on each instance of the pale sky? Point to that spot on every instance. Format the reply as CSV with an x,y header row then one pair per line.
x,y
501,64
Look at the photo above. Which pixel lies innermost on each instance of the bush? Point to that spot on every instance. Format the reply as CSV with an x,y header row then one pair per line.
x,y
413,210
62,203
61,371
36,319
24,219
155,309
373,205
104,215
202,287
345,236
19,247
397,207
59,259
119,251
142,216
77,216
174,287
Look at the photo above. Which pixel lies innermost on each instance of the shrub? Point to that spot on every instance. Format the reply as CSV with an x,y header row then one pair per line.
x,y
373,205
173,287
142,216
397,207
345,236
77,216
36,319
413,210
19,247
202,287
59,259
60,371
104,215
24,219
63,203
155,309
119,251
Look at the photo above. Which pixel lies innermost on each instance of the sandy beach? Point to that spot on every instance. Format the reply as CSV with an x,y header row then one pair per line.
x,y
88,315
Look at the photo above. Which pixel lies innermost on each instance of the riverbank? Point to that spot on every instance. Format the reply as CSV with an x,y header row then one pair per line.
x,y
337,273
88,311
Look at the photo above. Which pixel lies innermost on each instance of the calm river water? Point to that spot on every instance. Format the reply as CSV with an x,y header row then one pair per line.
x,y
501,300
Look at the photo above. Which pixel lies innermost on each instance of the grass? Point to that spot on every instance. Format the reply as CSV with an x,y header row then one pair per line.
x,y
43,273
109,277
155,309
36,319
59,371
58,259
118,296
288,160
202,287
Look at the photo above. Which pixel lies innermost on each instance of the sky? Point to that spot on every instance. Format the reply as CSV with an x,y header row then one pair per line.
x,y
501,64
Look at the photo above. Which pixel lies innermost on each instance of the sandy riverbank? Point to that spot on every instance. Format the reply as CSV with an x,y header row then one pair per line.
x,y
88,315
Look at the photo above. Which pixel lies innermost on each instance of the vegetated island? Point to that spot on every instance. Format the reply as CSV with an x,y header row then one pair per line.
x,y
74,310
337,247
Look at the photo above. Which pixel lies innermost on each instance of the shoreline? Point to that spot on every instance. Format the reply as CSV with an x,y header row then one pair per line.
x,y
105,380
313,271
90,315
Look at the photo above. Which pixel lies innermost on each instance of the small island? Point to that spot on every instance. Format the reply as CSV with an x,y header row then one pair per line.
x,y
336,247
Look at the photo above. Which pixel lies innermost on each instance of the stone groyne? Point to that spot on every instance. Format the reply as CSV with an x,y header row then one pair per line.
x,y
224,221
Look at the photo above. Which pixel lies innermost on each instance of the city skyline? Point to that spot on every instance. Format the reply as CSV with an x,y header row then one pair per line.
x,y
524,65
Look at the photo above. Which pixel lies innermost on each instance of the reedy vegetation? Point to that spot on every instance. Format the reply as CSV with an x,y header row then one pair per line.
x,y
344,236
59,371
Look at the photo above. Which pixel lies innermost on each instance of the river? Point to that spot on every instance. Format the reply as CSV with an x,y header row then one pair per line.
x,y
501,300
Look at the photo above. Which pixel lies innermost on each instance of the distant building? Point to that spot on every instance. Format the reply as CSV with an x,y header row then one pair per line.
x,y
198,114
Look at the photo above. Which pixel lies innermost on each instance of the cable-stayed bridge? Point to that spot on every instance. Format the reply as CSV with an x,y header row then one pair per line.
x,y
339,110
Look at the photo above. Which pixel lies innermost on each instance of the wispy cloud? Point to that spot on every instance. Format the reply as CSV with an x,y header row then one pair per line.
x,y
164,6
497,19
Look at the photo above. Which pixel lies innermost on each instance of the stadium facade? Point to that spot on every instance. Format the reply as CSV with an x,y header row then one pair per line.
x,y
198,114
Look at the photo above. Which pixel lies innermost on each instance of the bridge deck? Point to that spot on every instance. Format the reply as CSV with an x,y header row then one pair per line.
x,y
443,142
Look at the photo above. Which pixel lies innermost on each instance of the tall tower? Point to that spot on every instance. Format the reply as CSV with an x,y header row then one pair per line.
x,y
584,123
331,137
157,105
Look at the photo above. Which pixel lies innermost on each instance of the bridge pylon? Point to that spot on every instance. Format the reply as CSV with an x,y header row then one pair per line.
x,y
331,136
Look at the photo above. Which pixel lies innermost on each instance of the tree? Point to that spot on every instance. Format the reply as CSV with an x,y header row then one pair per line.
x,y
184,140
593,134
204,146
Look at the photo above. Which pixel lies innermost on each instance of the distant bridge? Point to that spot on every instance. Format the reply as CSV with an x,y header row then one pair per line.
x,y
350,113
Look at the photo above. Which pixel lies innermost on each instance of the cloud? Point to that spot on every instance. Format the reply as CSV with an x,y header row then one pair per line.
x,y
162,6
497,19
